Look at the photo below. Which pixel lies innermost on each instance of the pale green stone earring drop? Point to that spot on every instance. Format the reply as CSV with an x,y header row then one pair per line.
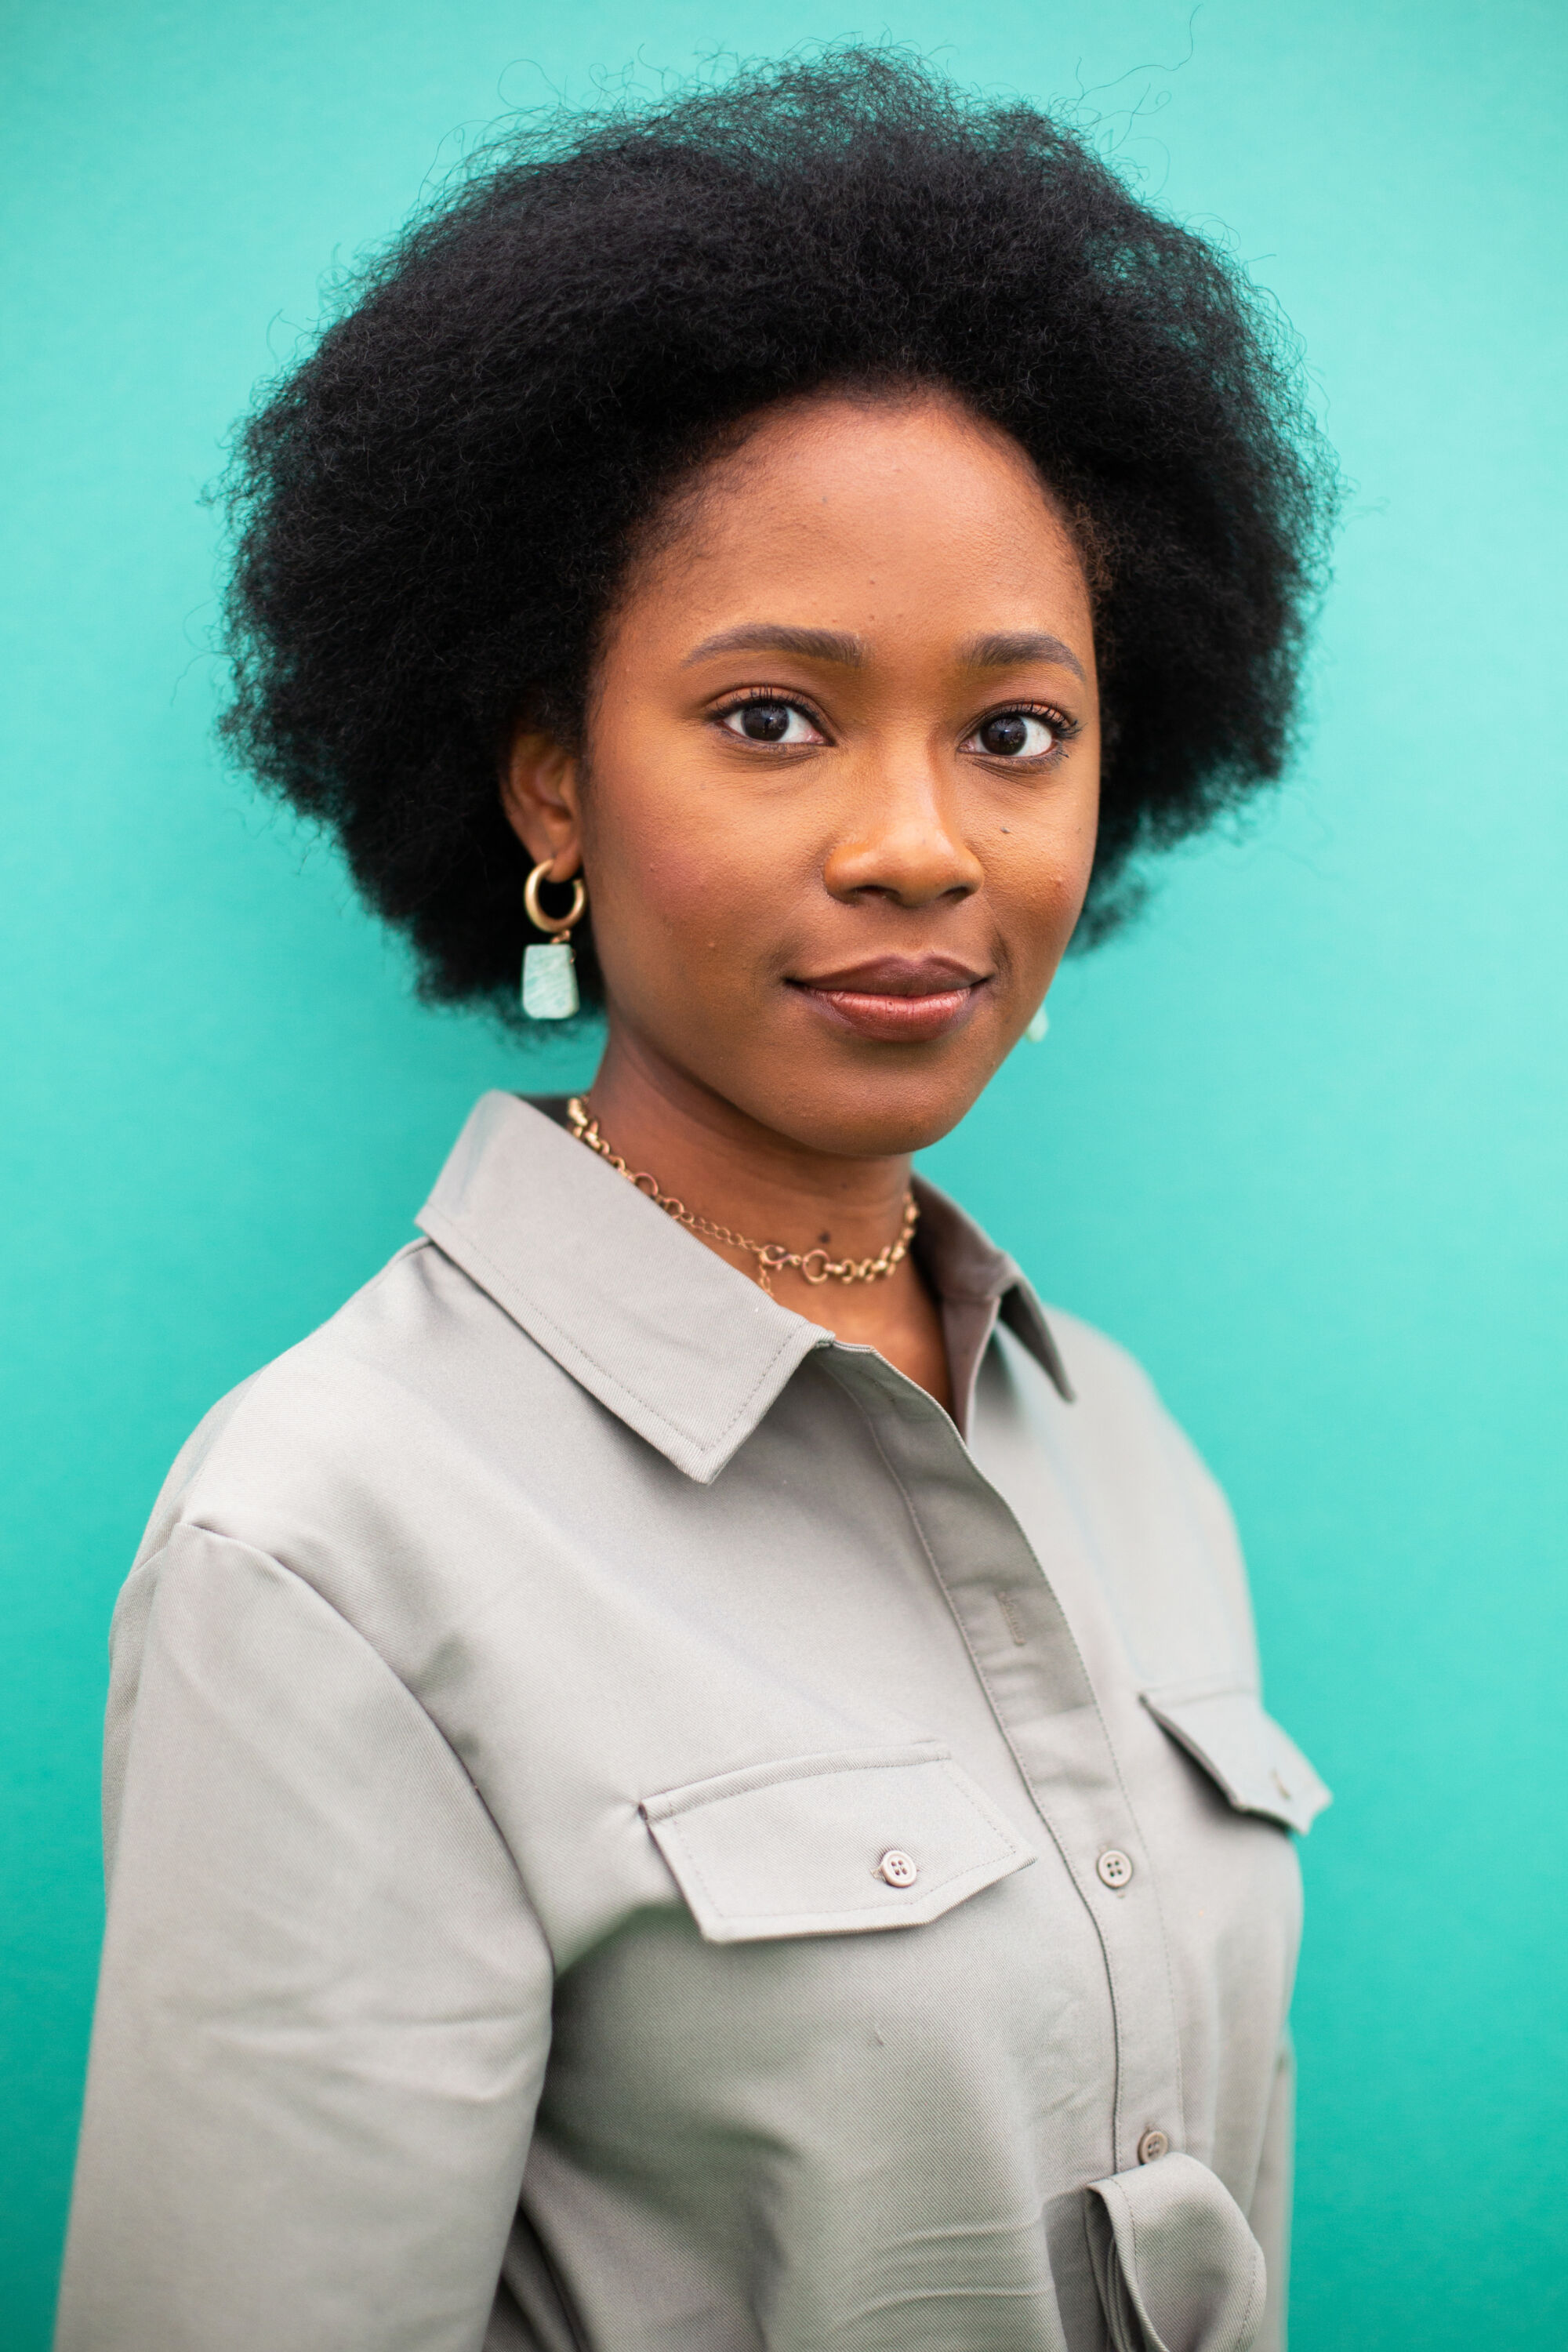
x,y
1038,1027
549,979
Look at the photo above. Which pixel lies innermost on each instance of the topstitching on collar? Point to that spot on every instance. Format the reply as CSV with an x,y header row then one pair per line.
x,y
682,1346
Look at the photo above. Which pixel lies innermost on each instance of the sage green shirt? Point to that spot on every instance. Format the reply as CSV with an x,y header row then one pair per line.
x,y
630,1829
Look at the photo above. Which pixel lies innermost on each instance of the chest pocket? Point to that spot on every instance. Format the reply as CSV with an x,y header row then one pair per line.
x,y
828,1845
1256,1764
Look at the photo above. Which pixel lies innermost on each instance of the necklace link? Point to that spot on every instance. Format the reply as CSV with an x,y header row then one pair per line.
x,y
815,1266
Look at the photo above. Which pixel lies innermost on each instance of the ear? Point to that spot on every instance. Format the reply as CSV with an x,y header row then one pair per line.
x,y
540,789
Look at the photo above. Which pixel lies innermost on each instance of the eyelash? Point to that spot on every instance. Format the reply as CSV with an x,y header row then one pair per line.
x,y
1062,727
790,700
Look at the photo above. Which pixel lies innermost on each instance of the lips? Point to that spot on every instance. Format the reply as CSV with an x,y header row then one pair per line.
x,y
896,999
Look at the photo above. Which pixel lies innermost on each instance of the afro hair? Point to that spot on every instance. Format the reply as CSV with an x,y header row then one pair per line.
x,y
432,511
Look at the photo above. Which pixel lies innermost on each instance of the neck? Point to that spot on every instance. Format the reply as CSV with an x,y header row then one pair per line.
x,y
730,1166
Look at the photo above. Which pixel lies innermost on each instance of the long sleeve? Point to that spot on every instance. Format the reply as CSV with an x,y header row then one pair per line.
x,y
323,2009
1270,2214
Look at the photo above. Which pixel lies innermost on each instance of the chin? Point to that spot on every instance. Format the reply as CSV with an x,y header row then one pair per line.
x,y
870,1114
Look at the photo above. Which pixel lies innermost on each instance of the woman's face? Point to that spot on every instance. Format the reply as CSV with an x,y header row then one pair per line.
x,y
836,806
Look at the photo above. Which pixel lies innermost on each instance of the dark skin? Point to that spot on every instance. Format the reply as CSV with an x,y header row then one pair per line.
x,y
835,809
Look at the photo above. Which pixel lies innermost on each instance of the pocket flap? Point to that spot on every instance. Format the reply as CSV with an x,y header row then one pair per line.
x,y
1259,1766
798,1848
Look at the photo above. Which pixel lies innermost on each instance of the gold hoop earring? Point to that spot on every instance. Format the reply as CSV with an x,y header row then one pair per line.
x,y
549,977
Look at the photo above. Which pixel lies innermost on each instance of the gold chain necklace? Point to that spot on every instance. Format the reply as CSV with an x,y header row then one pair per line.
x,y
772,1257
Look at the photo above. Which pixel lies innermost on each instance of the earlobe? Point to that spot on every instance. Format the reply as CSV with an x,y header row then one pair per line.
x,y
539,794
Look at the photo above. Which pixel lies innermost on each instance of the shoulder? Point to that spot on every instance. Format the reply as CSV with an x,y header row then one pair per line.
x,y
343,1448
1161,1528
1106,1377
1118,1416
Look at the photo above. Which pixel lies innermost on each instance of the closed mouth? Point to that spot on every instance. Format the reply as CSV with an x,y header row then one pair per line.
x,y
896,998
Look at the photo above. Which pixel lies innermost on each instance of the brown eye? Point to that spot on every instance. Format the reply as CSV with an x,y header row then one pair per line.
x,y
766,721
1013,734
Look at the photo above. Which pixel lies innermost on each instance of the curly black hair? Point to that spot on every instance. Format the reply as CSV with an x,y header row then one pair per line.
x,y
433,510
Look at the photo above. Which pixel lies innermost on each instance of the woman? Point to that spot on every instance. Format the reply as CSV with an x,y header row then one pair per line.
x,y
689,1772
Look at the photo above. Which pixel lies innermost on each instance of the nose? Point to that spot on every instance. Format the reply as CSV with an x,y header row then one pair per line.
x,y
902,841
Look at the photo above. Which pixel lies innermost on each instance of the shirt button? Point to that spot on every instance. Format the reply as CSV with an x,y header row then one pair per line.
x,y
896,1868
1152,2146
1113,1866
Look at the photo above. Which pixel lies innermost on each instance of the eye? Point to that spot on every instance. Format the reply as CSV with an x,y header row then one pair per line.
x,y
1017,735
764,718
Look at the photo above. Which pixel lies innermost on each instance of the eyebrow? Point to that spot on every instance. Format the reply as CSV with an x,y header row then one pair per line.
x,y
998,652
1020,646
778,637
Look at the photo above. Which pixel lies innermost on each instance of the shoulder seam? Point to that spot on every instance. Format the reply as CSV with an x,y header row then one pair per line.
x,y
305,1585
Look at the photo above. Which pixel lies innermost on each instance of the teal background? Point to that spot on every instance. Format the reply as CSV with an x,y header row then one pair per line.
x,y
1300,1141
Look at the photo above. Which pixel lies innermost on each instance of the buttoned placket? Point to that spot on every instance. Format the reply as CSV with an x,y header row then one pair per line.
x,y
448,1546
997,1588
1029,1665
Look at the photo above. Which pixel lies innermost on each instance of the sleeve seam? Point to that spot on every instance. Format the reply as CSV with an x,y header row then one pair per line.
x,y
305,1585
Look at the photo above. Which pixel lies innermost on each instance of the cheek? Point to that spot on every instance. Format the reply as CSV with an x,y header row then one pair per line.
x,y
1075,839
678,875
1039,877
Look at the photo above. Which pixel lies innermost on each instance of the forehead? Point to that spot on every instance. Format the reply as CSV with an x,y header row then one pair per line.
x,y
864,512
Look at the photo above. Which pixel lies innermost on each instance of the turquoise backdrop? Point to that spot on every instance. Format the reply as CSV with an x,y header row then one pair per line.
x,y
1300,1141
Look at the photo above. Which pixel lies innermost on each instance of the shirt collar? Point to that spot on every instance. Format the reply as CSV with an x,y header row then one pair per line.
x,y
683,1349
